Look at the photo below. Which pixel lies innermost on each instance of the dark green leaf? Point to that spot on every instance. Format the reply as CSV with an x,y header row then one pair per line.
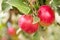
x,y
58,10
36,6
42,2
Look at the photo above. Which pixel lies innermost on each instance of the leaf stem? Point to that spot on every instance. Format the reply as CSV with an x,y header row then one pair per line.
x,y
33,8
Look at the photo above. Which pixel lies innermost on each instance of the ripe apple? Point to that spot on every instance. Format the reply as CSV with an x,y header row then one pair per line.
x,y
25,22
46,15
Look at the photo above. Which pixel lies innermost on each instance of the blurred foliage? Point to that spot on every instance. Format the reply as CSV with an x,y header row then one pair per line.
x,y
4,5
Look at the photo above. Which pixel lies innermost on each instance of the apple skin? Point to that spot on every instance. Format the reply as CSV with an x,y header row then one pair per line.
x,y
11,31
25,22
46,15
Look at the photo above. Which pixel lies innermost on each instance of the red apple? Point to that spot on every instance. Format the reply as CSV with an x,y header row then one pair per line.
x,y
11,31
46,15
25,22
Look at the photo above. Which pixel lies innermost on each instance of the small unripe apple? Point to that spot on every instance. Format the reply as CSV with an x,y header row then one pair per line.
x,y
46,15
11,31
25,22
3,38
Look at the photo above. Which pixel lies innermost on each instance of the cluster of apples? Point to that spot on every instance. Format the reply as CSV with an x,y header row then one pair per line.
x,y
45,14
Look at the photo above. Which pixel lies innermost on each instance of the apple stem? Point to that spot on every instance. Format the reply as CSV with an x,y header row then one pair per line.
x,y
33,8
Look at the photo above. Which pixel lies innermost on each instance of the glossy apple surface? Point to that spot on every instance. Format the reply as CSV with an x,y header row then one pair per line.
x,y
25,22
46,15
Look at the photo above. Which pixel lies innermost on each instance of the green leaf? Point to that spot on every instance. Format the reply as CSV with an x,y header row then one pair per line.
x,y
5,6
5,0
36,6
35,19
19,4
42,2
58,10
56,2
36,36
